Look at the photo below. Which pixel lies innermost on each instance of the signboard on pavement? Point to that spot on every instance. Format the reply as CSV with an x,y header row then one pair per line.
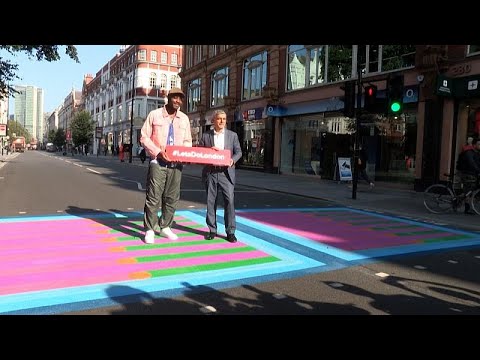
x,y
98,132
3,129
344,168
199,155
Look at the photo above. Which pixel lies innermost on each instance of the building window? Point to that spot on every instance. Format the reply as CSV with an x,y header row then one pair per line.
x,y
306,66
174,59
212,50
396,57
163,81
189,56
119,113
219,87
153,56
472,49
193,94
163,57
198,53
339,63
254,75
142,55
153,80
173,81
369,58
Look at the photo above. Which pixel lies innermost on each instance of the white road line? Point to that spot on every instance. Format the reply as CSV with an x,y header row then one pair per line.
x,y
139,185
77,164
94,171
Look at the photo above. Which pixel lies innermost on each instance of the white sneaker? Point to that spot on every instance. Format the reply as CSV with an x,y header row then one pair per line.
x,y
150,237
167,232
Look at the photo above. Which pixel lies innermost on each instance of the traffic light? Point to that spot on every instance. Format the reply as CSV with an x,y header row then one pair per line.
x,y
370,99
395,95
349,99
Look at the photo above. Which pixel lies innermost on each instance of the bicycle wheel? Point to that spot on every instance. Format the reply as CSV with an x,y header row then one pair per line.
x,y
438,198
475,201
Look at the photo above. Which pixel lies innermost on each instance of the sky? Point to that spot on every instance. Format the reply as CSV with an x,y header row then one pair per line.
x,y
57,78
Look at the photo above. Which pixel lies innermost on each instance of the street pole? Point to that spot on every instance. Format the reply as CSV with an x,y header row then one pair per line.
x,y
131,116
357,131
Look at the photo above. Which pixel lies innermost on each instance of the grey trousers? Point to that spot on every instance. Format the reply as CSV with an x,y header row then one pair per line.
x,y
215,182
163,192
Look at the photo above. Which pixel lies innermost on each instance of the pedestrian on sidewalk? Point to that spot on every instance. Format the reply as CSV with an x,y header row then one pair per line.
x,y
468,166
221,178
164,126
362,166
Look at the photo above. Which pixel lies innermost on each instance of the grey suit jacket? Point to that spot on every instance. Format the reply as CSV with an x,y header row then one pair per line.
x,y
231,143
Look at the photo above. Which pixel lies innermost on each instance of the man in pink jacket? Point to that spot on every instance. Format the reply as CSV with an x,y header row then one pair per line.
x,y
164,126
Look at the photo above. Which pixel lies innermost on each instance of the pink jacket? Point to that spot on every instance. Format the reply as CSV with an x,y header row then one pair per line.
x,y
155,131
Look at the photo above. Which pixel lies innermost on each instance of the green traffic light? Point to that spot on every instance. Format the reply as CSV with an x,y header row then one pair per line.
x,y
395,107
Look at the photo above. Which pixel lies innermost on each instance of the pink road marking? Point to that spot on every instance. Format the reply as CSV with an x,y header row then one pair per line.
x,y
51,261
105,274
338,233
40,243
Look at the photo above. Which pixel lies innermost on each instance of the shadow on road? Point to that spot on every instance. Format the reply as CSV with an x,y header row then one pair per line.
x,y
129,223
200,300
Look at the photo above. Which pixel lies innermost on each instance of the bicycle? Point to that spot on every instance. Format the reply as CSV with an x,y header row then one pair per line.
x,y
440,198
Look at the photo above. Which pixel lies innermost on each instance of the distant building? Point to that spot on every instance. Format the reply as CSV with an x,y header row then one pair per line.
x,y
28,107
152,70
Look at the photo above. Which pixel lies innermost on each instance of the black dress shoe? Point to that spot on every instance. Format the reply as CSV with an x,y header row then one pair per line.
x,y
231,238
210,236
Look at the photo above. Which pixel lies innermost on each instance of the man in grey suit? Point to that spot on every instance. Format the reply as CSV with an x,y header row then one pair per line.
x,y
221,178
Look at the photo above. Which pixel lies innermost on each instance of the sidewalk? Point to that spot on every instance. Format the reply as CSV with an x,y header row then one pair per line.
x,y
389,198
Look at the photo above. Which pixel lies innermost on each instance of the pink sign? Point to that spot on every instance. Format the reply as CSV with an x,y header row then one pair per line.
x,y
199,155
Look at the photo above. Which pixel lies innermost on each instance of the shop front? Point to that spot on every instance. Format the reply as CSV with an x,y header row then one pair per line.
x,y
250,126
315,135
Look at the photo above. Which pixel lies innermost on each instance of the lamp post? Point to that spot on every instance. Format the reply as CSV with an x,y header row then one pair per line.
x,y
231,105
356,143
131,117
201,110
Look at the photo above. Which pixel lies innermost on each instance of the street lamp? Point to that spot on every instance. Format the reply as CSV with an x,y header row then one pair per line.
x,y
231,105
201,110
131,117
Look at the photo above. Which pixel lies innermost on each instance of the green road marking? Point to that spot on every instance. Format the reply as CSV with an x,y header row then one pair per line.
x,y
216,266
128,238
395,227
447,238
371,221
194,254
172,244
420,232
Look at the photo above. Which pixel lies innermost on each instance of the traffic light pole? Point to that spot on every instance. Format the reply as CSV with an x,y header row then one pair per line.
x,y
357,132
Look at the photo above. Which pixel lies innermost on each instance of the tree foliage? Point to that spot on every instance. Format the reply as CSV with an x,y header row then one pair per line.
x,y
14,127
82,128
51,136
9,69
59,139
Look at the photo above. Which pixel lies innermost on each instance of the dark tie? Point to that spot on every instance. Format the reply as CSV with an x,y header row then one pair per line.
x,y
170,134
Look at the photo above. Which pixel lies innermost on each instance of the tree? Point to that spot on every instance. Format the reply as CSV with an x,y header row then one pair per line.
x,y
14,127
51,136
82,128
59,139
9,69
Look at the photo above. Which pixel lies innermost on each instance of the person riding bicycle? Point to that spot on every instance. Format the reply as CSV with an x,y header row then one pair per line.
x,y
469,169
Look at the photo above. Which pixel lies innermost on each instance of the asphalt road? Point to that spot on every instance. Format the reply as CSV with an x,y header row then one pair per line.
x,y
429,282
